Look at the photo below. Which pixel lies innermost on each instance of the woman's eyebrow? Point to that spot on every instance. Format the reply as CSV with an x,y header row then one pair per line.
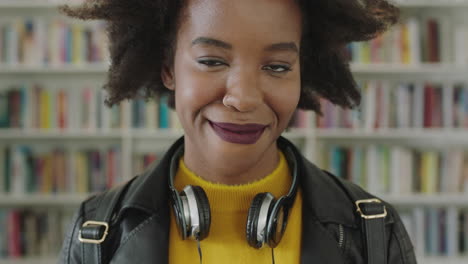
x,y
283,46
212,42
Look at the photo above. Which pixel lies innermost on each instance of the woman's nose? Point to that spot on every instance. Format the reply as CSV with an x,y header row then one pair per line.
x,y
243,91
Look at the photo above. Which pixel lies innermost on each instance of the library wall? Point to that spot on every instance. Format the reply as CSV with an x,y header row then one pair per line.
x,y
407,142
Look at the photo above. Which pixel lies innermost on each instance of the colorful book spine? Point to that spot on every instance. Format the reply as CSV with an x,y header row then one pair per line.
x,y
410,42
154,113
383,169
31,234
43,41
401,105
46,108
437,232
38,169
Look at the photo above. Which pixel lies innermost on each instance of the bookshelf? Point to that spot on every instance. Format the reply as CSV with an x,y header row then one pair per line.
x,y
88,68
29,260
42,200
423,71
136,138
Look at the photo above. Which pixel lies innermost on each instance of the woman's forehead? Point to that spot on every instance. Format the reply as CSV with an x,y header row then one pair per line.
x,y
269,20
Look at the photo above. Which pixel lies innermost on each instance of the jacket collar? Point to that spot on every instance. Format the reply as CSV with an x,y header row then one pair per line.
x,y
325,200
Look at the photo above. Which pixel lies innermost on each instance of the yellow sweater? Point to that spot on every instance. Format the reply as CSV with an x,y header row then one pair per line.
x,y
229,205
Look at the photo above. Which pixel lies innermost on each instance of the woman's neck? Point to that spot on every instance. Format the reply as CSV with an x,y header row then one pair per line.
x,y
231,169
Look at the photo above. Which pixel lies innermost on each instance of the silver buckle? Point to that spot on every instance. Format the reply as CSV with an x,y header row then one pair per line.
x,y
94,241
383,215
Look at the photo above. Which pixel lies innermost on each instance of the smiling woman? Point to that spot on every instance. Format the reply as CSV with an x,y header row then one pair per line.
x,y
236,72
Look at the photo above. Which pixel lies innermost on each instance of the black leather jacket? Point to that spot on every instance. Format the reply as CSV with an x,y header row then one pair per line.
x,y
139,230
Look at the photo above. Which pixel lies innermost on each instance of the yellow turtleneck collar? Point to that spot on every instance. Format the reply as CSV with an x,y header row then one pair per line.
x,y
226,242
224,197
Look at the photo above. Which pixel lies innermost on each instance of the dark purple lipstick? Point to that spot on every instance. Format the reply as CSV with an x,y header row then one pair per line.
x,y
239,134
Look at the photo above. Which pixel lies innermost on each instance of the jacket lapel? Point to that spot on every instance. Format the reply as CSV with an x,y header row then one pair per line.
x,y
147,243
318,246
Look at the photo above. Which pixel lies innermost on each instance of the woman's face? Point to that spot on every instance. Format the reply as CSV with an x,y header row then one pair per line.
x,y
244,53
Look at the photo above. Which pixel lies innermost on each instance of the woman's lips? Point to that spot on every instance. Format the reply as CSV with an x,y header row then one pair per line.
x,y
239,134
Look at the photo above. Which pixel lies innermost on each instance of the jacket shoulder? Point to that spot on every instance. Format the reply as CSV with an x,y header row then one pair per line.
x,y
71,252
355,192
399,247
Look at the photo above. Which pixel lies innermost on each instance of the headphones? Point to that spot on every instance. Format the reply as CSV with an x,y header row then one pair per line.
x,y
267,217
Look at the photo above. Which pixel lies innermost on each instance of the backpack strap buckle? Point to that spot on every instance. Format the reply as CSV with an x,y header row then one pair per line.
x,y
370,216
94,232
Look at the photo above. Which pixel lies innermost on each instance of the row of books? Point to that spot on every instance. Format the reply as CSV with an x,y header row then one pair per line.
x,y
412,41
301,119
38,107
437,231
141,161
399,170
44,169
153,113
70,109
43,41
402,105
31,233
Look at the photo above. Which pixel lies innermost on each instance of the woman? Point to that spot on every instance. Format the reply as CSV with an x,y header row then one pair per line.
x,y
236,72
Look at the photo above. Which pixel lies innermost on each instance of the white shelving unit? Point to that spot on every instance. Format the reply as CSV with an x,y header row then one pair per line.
x,y
85,68
431,3
446,135
42,200
28,4
40,260
445,260
134,140
423,71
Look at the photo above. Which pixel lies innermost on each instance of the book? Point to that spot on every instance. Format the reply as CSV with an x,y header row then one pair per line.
x,y
452,231
460,33
397,169
4,109
31,233
13,234
428,172
2,169
3,236
164,112
464,177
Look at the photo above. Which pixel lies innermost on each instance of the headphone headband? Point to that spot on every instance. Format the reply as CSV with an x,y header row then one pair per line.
x,y
192,211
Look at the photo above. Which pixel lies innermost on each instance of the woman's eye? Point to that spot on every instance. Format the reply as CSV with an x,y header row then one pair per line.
x,y
277,68
211,63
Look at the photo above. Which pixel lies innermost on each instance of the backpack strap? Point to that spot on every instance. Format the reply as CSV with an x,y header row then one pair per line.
x,y
372,213
94,232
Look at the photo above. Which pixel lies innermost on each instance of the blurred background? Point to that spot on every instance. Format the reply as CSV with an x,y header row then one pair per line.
x,y
407,142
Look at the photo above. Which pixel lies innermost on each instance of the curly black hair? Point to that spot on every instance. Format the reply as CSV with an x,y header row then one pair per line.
x,y
142,35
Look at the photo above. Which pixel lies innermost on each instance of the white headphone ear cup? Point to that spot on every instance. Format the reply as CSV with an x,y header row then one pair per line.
x,y
204,212
180,213
257,219
198,212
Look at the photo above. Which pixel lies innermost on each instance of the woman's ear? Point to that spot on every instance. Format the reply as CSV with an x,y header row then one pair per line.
x,y
167,76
